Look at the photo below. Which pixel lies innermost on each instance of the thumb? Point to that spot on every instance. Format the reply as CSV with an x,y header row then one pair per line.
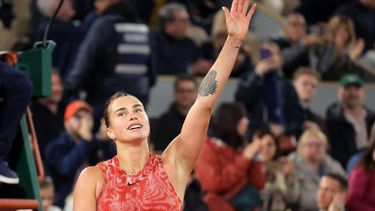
x,y
226,12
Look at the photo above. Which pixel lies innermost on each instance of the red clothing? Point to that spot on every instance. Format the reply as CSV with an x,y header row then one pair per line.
x,y
361,195
149,189
223,172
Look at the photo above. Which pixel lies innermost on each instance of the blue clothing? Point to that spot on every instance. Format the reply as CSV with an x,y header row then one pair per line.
x,y
252,91
173,56
354,160
15,95
114,56
64,157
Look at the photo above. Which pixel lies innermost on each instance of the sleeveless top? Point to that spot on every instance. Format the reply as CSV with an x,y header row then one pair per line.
x,y
149,189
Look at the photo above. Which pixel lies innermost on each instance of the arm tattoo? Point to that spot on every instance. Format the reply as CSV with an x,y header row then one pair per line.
x,y
209,84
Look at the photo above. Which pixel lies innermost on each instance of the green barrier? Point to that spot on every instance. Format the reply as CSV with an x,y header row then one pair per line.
x,y
26,168
37,63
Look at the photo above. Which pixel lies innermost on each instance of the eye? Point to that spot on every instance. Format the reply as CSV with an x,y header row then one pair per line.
x,y
138,110
121,113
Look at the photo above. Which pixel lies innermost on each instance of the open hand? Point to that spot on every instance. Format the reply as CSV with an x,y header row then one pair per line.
x,y
238,18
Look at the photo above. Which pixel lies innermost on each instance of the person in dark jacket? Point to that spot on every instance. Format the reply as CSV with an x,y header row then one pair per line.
x,y
348,121
170,123
15,95
73,150
270,99
115,55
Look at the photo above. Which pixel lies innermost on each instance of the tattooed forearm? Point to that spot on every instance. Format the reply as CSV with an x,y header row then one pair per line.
x,y
209,84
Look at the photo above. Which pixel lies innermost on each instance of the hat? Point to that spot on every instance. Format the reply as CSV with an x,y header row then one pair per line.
x,y
73,107
351,79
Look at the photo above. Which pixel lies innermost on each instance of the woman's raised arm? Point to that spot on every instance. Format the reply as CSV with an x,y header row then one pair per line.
x,y
185,149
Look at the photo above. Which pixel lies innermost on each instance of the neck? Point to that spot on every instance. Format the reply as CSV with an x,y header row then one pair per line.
x,y
53,107
305,103
132,157
354,111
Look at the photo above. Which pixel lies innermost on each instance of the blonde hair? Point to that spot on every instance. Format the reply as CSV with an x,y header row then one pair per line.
x,y
335,22
309,133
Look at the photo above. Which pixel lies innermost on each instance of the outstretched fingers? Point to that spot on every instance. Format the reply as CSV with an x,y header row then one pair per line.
x,y
251,12
234,6
245,7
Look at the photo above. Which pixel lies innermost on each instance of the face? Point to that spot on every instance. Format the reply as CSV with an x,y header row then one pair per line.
x,y
242,126
373,155
342,35
185,94
306,87
352,96
57,88
177,27
295,28
67,11
47,196
128,120
74,123
313,150
328,189
268,148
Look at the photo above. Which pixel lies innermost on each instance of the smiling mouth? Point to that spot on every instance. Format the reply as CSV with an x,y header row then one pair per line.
x,y
135,126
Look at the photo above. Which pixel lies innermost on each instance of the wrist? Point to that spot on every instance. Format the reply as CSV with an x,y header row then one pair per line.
x,y
234,41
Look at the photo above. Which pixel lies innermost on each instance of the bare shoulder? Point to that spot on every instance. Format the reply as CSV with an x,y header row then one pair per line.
x,y
90,179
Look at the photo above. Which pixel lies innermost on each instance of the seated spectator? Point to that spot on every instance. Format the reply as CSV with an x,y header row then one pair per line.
x,y
361,194
176,53
294,43
311,162
47,110
270,99
169,124
281,188
74,149
349,121
226,168
362,12
47,194
305,81
331,194
15,95
337,54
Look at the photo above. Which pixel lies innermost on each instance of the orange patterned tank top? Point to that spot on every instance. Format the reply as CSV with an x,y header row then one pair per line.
x,y
150,189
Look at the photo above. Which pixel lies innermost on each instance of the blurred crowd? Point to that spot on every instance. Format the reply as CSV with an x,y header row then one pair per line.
x,y
267,150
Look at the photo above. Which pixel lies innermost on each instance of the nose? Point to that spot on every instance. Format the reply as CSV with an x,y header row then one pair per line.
x,y
133,118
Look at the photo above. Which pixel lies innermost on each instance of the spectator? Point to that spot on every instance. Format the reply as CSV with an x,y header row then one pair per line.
x,y
116,54
47,110
169,124
348,121
311,162
294,43
64,31
226,167
15,95
72,150
47,194
305,81
361,194
176,53
362,12
337,54
281,188
269,98
331,194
